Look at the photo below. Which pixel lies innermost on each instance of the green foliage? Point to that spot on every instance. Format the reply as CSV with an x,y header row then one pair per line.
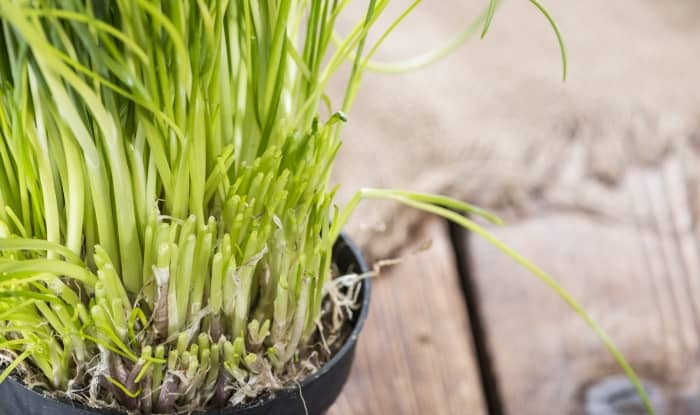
x,y
165,216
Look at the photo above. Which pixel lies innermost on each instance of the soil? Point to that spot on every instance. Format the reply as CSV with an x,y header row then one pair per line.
x,y
339,313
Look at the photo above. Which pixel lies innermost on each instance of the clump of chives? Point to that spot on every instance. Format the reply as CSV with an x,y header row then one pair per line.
x,y
166,224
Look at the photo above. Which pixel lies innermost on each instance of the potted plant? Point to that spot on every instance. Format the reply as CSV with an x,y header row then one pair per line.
x,y
167,231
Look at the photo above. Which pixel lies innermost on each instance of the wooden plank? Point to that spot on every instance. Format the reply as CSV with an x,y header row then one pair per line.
x,y
414,354
638,275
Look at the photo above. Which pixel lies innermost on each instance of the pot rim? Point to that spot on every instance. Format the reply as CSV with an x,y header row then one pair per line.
x,y
346,348
359,322
343,241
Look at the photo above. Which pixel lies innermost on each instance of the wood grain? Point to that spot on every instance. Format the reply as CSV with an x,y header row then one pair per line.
x,y
638,275
414,354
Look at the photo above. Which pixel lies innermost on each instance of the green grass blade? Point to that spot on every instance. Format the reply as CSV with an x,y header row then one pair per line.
x,y
548,280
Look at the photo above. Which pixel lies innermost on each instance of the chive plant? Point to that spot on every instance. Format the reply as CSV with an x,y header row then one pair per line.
x,y
166,223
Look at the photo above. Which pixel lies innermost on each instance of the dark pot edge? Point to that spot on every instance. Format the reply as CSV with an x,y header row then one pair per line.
x,y
350,343
359,323
348,347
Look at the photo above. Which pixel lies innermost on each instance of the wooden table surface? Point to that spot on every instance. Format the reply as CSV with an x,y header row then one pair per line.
x,y
639,277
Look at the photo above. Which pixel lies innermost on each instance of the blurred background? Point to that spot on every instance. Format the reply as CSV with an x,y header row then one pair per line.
x,y
597,177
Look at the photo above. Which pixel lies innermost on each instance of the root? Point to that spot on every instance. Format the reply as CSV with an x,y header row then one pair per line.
x,y
254,381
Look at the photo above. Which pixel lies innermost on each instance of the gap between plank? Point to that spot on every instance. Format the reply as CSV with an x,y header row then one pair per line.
x,y
479,334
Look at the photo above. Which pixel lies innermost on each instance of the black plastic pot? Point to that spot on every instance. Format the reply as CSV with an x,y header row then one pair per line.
x,y
319,391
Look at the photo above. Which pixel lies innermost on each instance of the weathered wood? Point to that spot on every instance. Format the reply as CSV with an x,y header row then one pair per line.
x,y
638,275
414,355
